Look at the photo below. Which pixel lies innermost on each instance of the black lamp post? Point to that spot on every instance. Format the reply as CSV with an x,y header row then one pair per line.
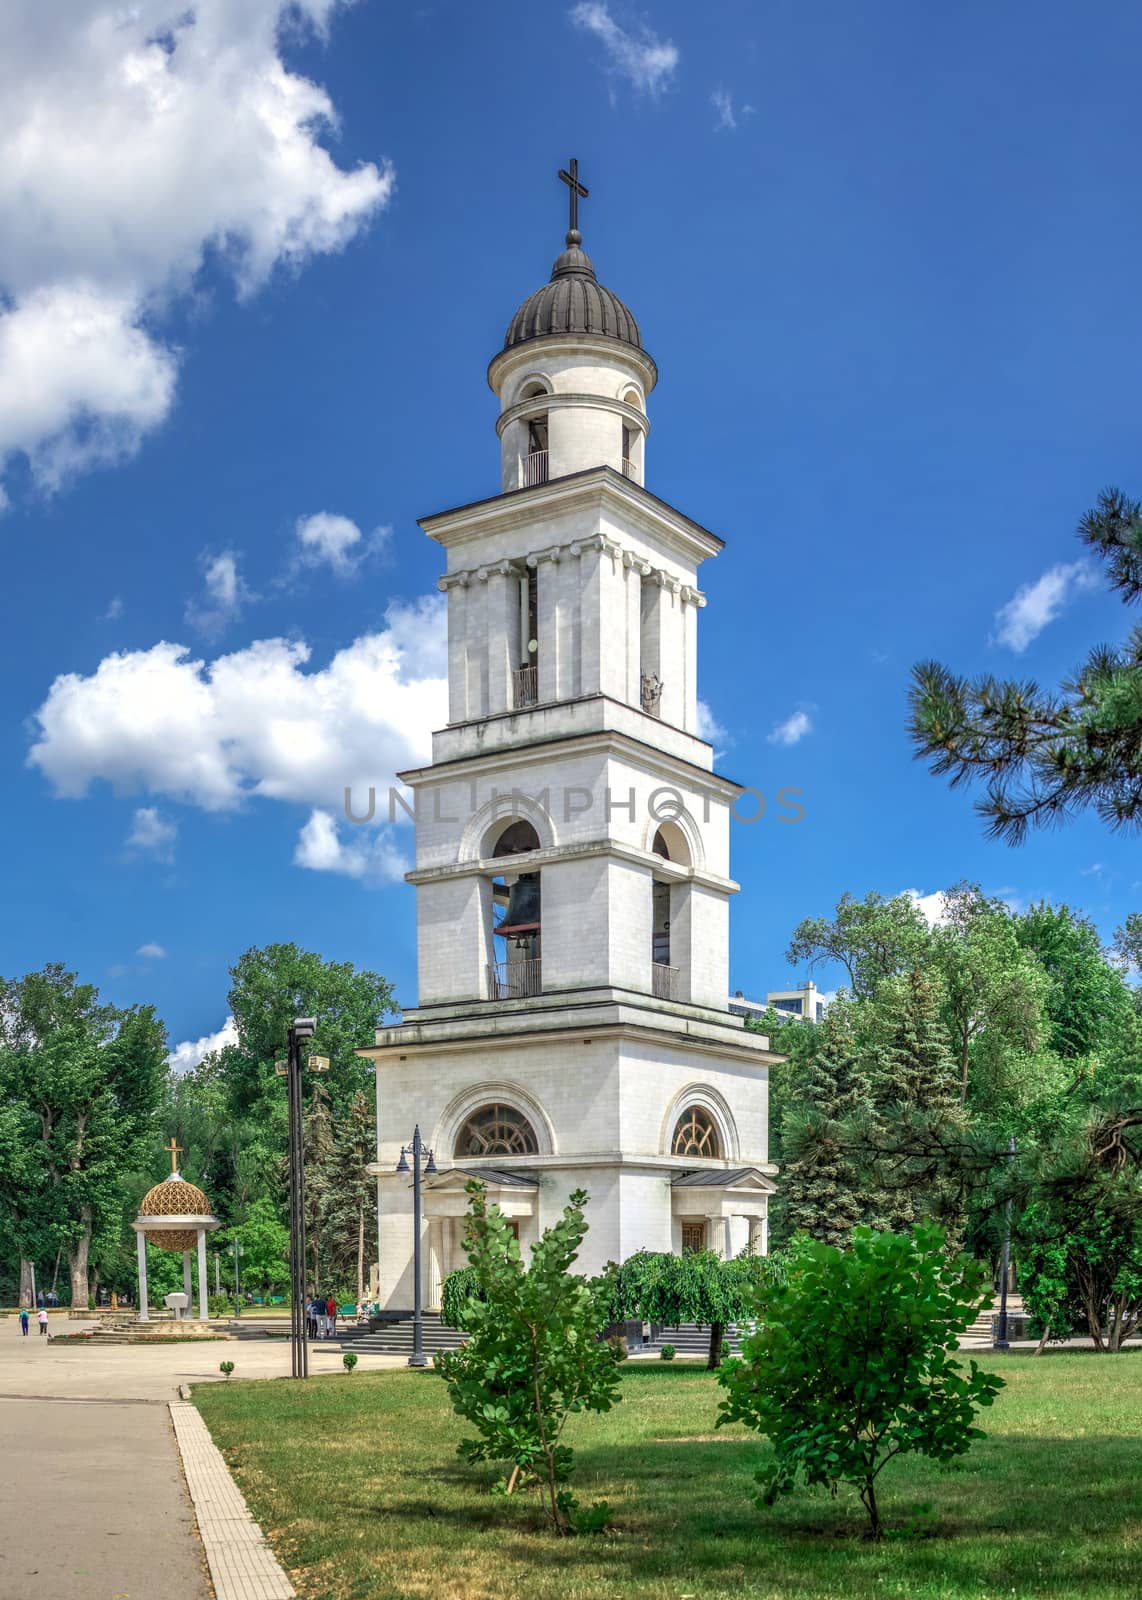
x,y
290,1069
1001,1340
416,1149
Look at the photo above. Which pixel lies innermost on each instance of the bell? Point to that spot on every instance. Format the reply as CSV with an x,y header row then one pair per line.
x,y
522,914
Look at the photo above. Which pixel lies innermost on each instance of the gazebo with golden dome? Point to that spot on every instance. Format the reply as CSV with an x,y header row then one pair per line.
x,y
175,1215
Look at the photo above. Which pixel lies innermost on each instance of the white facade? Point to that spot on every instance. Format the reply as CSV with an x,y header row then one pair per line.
x,y
571,800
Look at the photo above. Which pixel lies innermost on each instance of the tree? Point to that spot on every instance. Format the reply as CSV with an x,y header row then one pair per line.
x,y
1082,1231
352,1193
850,1365
533,1356
872,939
915,1094
272,986
89,1078
993,988
1087,998
1046,756
265,1246
697,1286
822,1191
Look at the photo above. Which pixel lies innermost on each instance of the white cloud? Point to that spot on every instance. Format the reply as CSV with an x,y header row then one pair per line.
x,y
709,728
932,907
327,539
226,595
646,61
151,834
151,952
114,610
371,856
136,142
723,103
793,729
187,1055
727,114
254,722
1032,607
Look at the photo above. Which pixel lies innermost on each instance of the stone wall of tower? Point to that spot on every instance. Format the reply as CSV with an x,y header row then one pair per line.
x,y
590,390
614,604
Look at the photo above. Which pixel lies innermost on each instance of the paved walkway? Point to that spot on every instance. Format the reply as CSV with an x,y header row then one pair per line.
x,y
93,1500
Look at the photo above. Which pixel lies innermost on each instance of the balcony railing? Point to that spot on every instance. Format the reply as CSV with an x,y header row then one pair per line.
x,y
525,687
629,469
535,468
515,980
651,693
664,981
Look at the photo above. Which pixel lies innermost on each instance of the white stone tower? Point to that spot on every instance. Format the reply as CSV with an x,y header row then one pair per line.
x,y
572,842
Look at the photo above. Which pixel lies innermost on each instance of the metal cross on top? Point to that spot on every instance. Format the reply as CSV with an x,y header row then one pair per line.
x,y
174,1151
571,179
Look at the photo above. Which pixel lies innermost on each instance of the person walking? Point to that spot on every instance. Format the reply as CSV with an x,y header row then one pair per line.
x,y
42,1319
331,1313
24,1321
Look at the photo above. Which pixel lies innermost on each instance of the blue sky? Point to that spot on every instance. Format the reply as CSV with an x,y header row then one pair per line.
x,y
887,264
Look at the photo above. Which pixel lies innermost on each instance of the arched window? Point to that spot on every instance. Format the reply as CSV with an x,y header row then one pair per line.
x,y
496,1131
696,1134
516,918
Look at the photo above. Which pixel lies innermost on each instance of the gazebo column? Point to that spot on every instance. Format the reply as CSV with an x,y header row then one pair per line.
x,y
144,1308
186,1284
203,1286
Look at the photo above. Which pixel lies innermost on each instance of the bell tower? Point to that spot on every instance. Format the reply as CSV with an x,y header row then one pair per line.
x,y
572,837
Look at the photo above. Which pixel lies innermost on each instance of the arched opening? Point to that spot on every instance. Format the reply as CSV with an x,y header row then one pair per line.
x,y
496,1130
665,983
535,460
696,1134
516,909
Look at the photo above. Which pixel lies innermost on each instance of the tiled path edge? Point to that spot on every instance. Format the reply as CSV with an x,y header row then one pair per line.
x,y
242,1565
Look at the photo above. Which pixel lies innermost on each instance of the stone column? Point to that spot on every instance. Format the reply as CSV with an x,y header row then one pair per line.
x,y
187,1286
144,1308
690,602
547,574
203,1285
503,635
457,648
435,1262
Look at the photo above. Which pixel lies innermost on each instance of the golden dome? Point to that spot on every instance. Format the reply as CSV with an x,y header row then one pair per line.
x,y
174,1198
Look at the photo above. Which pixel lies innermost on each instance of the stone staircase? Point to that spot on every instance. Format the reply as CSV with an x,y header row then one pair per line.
x,y
689,1339
392,1336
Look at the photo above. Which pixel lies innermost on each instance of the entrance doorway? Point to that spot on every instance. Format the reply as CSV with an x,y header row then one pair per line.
x,y
693,1237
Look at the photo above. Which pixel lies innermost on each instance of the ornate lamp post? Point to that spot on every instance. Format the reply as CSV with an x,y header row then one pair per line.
x,y
290,1069
416,1149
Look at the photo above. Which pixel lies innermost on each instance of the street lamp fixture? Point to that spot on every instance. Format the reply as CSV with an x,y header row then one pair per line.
x,y
416,1149
290,1069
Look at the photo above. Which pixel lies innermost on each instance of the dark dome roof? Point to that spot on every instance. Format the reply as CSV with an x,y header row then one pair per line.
x,y
573,302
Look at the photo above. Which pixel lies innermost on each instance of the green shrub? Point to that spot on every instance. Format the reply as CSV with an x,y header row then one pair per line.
x,y
458,1289
226,1368
533,1356
667,1353
349,1360
850,1364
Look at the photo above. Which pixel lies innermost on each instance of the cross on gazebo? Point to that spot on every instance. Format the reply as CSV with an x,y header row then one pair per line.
x,y
571,179
174,1151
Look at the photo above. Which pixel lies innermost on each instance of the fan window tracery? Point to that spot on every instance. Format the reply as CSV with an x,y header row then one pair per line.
x,y
695,1134
497,1131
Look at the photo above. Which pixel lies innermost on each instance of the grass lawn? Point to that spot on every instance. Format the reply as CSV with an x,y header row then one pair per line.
x,y
356,1483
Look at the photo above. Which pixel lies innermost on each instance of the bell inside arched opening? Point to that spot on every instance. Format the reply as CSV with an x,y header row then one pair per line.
x,y
516,917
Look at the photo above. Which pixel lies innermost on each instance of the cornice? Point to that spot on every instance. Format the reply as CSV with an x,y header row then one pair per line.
x,y
599,487
540,404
